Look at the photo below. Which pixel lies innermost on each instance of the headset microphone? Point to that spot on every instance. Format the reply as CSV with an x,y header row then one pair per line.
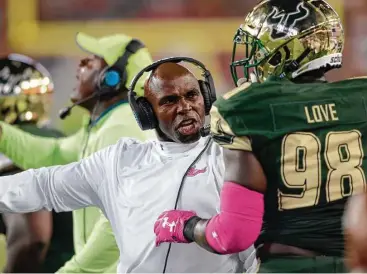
x,y
205,130
63,113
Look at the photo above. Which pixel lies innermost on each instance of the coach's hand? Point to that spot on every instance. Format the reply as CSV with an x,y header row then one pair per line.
x,y
170,225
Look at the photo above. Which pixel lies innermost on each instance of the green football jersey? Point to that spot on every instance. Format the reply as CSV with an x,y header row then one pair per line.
x,y
310,140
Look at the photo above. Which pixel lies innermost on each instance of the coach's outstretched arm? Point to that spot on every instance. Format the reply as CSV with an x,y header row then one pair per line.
x,y
62,188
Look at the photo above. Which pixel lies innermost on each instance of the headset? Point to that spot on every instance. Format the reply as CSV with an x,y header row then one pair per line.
x,y
143,110
110,79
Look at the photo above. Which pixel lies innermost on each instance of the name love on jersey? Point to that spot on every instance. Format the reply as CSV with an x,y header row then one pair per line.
x,y
321,113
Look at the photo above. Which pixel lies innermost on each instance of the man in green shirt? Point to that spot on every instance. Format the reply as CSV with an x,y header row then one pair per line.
x,y
103,78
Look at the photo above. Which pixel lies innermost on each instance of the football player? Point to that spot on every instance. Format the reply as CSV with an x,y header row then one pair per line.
x,y
292,136
40,241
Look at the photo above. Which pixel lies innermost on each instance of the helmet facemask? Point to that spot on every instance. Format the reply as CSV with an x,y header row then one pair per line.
x,y
254,54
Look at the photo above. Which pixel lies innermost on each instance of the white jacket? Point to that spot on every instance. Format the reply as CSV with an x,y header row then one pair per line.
x,y
132,183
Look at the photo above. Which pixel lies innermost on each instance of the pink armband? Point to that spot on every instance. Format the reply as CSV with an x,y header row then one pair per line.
x,y
239,222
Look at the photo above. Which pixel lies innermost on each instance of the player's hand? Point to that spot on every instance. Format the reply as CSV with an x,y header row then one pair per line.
x,y
170,225
355,222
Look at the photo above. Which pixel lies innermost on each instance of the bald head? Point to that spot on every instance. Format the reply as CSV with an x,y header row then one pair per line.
x,y
166,72
175,96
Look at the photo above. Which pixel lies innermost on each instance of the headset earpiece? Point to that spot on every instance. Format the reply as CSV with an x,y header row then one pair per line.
x,y
113,78
143,113
205,91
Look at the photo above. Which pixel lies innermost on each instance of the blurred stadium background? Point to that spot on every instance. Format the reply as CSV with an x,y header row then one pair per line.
x,y
203,29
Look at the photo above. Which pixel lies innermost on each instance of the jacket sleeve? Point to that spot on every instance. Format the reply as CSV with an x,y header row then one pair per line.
x,y
30,151
61,188
102,238
88,260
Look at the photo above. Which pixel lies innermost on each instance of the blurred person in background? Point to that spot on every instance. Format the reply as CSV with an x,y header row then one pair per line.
x,y
102,79
39,241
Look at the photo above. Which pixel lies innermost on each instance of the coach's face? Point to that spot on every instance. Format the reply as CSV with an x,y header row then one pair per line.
x,y
87,74
179,107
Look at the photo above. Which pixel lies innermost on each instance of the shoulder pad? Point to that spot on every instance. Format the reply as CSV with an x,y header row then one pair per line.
x,y
243,87
223,134
247,110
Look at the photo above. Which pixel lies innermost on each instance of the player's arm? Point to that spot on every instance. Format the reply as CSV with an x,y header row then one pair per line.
x,y
30,151
238,224
355,234
28,238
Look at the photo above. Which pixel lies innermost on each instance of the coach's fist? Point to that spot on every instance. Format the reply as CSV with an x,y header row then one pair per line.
x,y
170,225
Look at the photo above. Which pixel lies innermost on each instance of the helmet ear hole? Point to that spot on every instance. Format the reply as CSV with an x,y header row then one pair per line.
x,y
276,59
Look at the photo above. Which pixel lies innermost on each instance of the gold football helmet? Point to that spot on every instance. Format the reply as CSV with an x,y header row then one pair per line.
x,y
286,38
25,87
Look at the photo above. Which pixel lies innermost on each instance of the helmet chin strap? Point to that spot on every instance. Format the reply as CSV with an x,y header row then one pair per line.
x,y
253,79
241,81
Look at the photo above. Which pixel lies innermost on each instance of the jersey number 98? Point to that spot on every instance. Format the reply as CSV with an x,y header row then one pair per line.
x,y
304,159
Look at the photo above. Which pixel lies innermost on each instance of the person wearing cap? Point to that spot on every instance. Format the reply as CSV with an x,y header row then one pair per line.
x,y
103,77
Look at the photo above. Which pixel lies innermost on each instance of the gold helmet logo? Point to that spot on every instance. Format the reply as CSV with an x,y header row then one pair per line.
x,y
283,23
